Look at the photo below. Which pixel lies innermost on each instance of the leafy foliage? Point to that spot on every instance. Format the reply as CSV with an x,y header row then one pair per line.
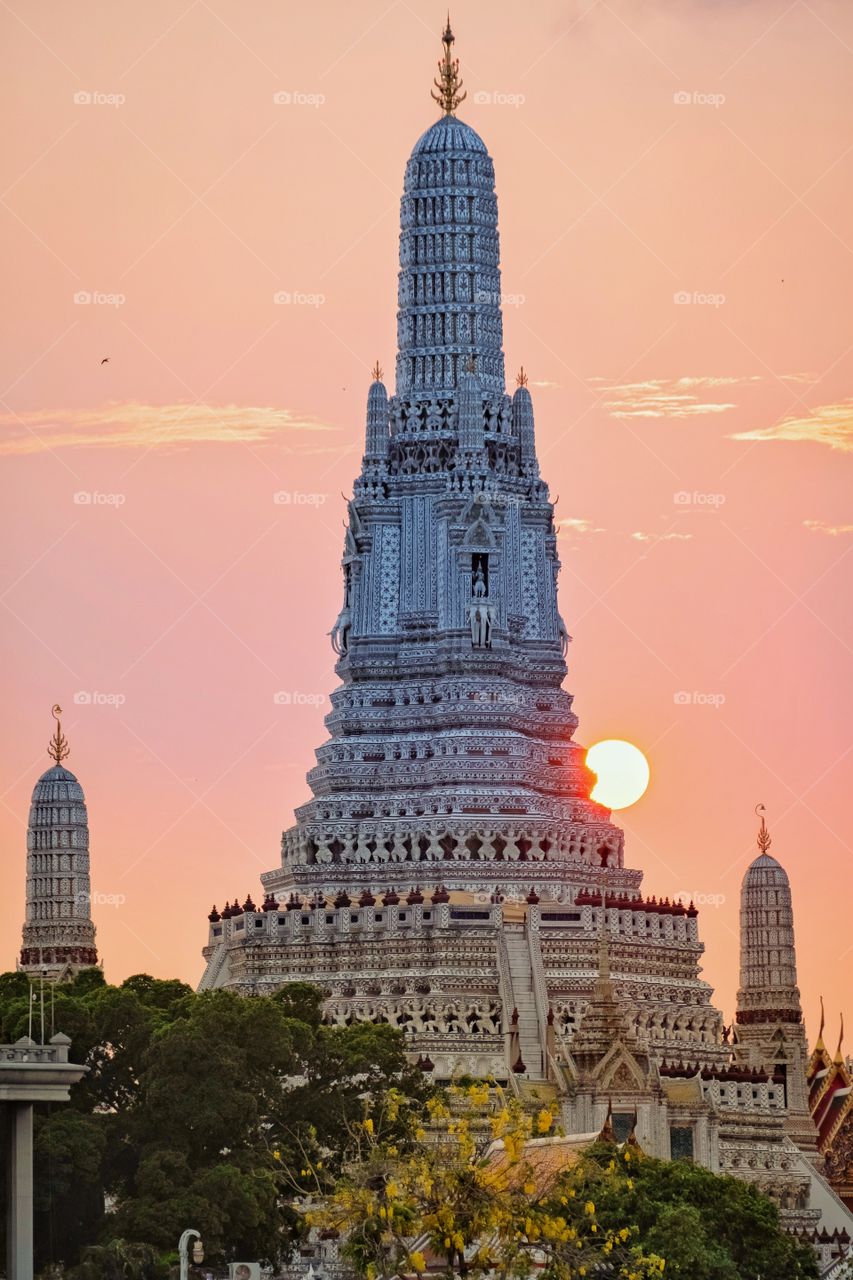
x,y
470,1194
483,1192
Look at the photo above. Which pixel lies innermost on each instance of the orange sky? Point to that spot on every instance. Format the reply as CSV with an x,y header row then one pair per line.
x,y
643,151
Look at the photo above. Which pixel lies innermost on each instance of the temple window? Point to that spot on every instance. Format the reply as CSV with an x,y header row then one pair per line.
x,y
623,1123
680,1142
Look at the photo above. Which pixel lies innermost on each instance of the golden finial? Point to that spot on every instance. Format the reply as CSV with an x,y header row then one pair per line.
x,y
58,747
839,1059
377,372
820,1044
763,838
607,1134
448,83
521,378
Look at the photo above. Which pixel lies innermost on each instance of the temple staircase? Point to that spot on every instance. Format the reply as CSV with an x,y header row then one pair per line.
x,y
521,979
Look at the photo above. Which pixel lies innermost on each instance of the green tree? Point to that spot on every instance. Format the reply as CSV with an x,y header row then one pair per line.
x,y
707,1226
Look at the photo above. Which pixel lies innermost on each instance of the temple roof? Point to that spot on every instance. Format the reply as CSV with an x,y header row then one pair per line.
x,y
765,870
49,786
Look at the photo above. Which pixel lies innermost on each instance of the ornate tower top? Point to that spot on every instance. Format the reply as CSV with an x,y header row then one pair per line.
x,y
449,83
58,747
449,290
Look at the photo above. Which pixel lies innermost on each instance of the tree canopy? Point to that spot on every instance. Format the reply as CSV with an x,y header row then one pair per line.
x,y
488,1190
194,1111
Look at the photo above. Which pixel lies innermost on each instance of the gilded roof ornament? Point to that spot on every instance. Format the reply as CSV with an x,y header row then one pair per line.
x,y
839,1056
607,1133
58,747
521,378
376,371
448,83
763,838
820,1044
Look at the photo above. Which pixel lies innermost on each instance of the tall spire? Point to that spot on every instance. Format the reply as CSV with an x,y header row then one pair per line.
x,y
449,285
839,1057
58,747
448,83
770,1032
58,935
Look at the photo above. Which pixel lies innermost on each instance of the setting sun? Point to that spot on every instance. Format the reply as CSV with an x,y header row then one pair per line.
x,y
622,771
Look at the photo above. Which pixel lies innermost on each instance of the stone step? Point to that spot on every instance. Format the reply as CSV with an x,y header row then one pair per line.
x,y
521,978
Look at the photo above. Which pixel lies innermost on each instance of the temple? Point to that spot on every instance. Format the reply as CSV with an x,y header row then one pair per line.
x,y
58,935
450,874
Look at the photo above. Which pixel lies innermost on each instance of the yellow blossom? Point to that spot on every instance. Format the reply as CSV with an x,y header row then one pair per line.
x,y
417,1260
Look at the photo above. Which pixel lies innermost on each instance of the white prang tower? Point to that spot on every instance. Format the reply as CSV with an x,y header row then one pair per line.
x,y
59,936
769,1018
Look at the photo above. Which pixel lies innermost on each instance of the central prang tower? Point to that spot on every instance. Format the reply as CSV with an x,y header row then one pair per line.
x,y
449,871
451,735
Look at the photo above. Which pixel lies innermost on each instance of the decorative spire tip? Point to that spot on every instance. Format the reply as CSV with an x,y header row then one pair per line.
x,y
58,747
763,838
376,371
521,378
448,83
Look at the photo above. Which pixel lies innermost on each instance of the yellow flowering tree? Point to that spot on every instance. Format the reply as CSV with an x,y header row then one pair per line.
x,y
483,1188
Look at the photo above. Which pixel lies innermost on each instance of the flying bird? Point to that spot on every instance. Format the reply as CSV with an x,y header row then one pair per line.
x,y
105,360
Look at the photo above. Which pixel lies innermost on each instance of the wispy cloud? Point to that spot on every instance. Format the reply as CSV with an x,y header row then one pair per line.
x,y
829,424
833,530
662,537
544,383
686,397
569,526
133,426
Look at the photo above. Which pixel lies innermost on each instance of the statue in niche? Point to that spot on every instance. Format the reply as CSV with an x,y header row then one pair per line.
x,y
481,613
481,617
